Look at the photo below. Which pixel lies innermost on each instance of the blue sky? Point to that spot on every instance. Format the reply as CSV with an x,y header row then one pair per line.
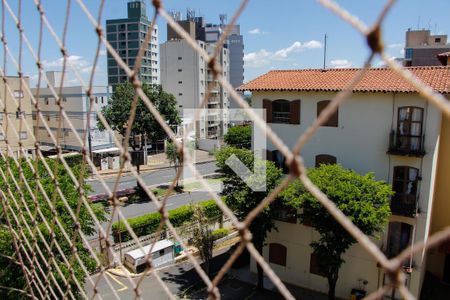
x,y
284,34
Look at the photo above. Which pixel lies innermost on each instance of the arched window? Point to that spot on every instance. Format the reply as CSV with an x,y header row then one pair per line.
x,y
404,184
399,238
277,254
325,159
333,120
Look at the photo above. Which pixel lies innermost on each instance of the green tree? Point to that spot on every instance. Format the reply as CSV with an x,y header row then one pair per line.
x,y
242,199
202,237
118,112
12,278
361,198
239,137
174,157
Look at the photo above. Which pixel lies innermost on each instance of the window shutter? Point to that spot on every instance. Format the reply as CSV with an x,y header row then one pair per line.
x,y
277,254
325,159
267,105
295,112
333,120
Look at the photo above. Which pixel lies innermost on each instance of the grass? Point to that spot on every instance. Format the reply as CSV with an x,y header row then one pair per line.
x,y
198,185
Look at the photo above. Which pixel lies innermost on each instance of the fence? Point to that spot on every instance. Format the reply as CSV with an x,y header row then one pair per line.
x,y
50,255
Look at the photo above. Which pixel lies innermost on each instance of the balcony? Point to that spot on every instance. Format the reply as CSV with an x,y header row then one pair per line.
x,y
402,207
406,145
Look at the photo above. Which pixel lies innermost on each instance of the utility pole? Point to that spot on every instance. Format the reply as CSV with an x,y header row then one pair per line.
x,y
325,52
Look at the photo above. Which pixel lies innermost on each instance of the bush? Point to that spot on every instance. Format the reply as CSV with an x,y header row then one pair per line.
x,y
147,224
219,233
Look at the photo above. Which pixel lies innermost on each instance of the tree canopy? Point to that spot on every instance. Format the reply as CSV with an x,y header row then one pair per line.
x,y
364,200
242,199
118,110
239,136
19,202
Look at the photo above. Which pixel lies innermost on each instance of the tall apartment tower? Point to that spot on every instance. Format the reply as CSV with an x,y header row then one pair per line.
x,y
126,36
211,33
422,48
185,74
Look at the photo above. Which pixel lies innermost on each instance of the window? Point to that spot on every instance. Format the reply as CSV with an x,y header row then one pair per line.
x,y
1,116
314,267
180,58
437,40
96,100
46,100
180,82
23,135
180,94
18,94
404,185
409,128
161,252
277,254
2,136
333,119
179,70
325,159
399,237
64,99
282,111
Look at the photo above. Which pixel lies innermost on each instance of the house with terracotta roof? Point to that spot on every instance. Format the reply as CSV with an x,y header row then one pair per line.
x,y
385,127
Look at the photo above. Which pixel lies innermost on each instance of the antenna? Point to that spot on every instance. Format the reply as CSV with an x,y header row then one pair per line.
x,y
223,19
325,52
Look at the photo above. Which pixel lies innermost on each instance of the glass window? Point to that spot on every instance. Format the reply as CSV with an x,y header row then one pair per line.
x,y
281,111
23,135
409,127
399,238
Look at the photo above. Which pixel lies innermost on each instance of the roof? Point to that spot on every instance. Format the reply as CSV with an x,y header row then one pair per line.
x,y
159,245
375,80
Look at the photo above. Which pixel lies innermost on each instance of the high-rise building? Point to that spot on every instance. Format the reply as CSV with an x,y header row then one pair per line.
x,y
126,36
211,33
422,48
185,74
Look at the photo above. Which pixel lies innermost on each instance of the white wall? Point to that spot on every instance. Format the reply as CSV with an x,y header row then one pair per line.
x,y
360,142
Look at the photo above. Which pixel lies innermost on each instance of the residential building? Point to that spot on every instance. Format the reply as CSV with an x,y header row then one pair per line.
x,y
211,33
186,74
16,124
76,104
385,127
126,36
422,48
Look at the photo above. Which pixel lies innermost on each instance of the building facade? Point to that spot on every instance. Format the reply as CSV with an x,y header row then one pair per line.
x,y
16,124
422,48
384,127
186,75
198,29
126,36
76,104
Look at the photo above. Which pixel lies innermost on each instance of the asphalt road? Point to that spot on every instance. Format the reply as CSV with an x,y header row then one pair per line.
x,y
139,208
150,178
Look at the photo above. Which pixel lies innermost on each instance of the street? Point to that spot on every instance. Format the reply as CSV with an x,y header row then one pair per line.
x,y
150,178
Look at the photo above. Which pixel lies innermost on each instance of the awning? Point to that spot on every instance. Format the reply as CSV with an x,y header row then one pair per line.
x,y
105,150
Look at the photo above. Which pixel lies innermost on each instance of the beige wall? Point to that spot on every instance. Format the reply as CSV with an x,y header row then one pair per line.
x,y
360,142
11,126
441,205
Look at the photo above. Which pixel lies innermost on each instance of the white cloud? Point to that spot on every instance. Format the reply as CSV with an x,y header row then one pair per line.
x,y
257,31
340,63
78,62
264,57
395,45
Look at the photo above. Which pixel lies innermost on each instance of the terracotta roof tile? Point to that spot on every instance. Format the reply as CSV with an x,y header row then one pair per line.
x,y
375,80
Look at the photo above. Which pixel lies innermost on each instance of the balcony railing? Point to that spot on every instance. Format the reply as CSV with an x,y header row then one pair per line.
x,y
401,207
406,144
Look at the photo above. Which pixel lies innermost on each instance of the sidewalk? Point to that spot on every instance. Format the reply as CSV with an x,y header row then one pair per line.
x,y
160,161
